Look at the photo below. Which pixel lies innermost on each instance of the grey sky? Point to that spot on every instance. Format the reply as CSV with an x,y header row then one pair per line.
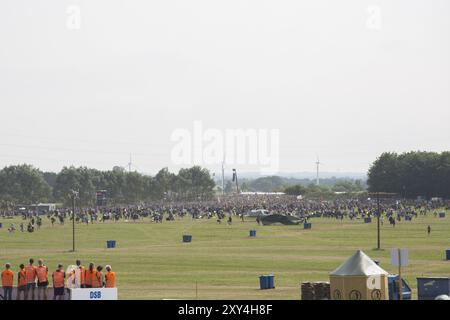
x,y
137,70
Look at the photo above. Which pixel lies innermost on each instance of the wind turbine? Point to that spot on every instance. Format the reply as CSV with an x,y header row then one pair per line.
x,y
318,163
129,164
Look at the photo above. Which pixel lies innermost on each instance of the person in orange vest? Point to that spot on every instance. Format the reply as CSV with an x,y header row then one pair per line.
x,y
110,278
90,274
97,280
30,273
58,282
7,282
82,273
42,275
21,282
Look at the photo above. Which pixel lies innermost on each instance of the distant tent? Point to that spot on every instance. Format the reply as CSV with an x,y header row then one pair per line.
x,y
359,278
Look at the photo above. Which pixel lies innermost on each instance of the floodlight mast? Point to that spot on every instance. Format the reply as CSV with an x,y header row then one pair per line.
x,y
223,176
377,195
378,222
73,195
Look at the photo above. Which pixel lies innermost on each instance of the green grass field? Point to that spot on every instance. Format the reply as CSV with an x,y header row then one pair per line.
x,y
151,262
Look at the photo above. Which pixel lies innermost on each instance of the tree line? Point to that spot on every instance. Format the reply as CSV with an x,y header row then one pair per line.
x,y
411,174
303,186
25,184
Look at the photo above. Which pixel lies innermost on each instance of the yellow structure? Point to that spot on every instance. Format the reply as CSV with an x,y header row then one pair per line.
x,y
359,278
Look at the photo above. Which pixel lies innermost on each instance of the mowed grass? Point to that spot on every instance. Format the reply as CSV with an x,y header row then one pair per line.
x,y
223,262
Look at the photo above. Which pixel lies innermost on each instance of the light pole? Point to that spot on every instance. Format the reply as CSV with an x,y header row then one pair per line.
x,y
74,195
377,195
378,221
235,178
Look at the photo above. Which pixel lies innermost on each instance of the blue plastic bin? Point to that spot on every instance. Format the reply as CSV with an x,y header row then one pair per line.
x,y
307,225
441,214
447,254
408,218
110,244
252,233
367,220
187,238
428,288
271,281
267,282
1,225
263,282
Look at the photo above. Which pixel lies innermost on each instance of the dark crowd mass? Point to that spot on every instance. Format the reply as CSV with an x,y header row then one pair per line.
x,y
228,207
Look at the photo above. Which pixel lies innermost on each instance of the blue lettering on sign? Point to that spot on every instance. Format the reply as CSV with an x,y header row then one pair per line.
x,y
95,295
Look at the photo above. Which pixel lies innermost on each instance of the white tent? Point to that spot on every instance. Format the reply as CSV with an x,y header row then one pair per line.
x,y
359,264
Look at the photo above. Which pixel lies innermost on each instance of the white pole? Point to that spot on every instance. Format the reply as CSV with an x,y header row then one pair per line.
x,y
317,176
223,178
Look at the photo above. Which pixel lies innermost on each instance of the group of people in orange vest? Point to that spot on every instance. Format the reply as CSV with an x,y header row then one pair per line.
x,y
77,277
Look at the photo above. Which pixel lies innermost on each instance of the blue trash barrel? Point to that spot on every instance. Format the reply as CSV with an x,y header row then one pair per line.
x,y
1,225
307,225
263,282
110,244
187,238
447,254
442,215
271,281
252,233
367,220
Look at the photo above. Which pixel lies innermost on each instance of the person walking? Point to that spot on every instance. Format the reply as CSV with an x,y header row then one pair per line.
x,y
21,282
58,278
7,282
42,276
30,273
110,277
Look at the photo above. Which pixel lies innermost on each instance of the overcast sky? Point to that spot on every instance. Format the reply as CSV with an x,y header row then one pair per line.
x,y
345,80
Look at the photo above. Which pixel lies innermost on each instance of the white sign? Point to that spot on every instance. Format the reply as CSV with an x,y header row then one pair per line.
x,y
403,260
93,294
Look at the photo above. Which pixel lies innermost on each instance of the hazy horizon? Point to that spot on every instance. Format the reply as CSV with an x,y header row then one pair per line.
x,y
339,80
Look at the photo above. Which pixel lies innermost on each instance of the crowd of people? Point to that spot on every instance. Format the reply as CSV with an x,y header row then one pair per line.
x,y
391,209
31,278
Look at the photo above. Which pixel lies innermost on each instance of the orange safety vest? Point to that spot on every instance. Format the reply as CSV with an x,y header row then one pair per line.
x,y
58,279
82,275
110,279
7,278
30,273
97,280
89,276
22,279
42,272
